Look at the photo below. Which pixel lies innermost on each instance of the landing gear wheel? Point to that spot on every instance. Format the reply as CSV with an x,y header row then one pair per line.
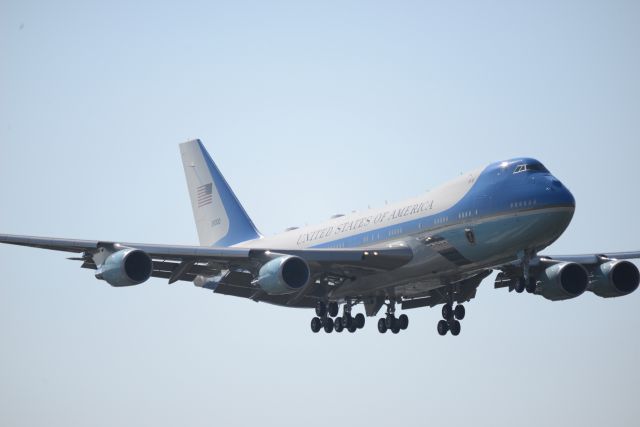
x,y
403,320
520,285
359,320
321,309
447,311
391,321
333,309
459,312
531,286
455,328
352,329
328,325
347,321
443,327
316,324
395,330
382,325
337,325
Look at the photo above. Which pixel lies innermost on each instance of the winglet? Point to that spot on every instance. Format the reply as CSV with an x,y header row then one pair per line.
x,y
220,218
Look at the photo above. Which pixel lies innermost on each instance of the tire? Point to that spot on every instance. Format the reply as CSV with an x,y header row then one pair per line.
x,y
395,330
328,325
390,321
359,320
337,325
403,320
316,324
321,309
443,327
459,312
382,325
333,308
352,329
531,286
455,328
347,321
520,285
447,311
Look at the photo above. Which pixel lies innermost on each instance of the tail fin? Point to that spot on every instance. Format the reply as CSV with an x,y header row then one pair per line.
x,y
220,218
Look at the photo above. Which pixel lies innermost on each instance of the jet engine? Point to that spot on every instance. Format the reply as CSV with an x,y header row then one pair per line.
x,y
614,279
562,281
284,275
127,267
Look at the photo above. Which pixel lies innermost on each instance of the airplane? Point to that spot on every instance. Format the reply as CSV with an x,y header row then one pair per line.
x,y
431,250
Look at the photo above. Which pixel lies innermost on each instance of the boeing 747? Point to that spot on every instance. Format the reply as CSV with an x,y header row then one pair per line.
x,y
434,249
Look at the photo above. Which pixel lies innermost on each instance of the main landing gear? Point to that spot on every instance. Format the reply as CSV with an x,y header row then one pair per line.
x,y
451,316
327,318
391,322
451,319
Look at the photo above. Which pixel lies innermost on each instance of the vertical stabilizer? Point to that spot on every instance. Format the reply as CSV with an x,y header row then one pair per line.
x,y
220,218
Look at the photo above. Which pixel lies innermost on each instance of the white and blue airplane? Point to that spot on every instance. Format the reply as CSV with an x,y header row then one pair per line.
x,y
434,249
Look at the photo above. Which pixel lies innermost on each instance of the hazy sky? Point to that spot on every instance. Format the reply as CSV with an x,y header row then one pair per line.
x,y
309,109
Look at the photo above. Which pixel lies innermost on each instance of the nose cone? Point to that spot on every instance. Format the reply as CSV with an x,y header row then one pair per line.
x,y
556,193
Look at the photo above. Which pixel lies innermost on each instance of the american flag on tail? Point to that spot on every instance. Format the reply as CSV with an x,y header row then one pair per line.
x,y
205,196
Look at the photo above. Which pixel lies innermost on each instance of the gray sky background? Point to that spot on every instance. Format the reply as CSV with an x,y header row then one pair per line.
x,y
309,109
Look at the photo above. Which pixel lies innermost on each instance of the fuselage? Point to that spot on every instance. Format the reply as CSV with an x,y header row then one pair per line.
x,y
482,218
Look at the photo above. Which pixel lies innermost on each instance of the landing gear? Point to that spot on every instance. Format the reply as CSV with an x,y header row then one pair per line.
x,y
443,327
382,325
451,322
455,328
337,325
531,286
447,311
328,325
316,324
403,320
333,308
451,316
328,319
321,309
523,284
392,323
359,320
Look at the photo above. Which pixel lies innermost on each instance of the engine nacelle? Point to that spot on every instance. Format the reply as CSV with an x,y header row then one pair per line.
x,y
284,275
562,281
127,267
614,279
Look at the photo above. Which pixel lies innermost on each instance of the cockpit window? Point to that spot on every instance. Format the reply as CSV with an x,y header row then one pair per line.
x,y
530,167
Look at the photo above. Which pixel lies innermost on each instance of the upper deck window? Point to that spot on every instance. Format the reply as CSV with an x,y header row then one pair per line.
x,y
530,167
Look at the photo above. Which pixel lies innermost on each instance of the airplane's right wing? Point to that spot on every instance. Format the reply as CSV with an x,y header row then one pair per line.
x,y
227,270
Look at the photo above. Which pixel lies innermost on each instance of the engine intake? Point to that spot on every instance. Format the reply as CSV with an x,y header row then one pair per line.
x,y
127,267
615,279
284,275
562,281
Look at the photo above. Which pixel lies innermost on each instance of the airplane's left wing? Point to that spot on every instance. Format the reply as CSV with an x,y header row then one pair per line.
x,y
228,270
558,277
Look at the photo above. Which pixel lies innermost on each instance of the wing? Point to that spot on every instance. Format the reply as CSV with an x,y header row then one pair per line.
x,y
231,270
558,277
592,258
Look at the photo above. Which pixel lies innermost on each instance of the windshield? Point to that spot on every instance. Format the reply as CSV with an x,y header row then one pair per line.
x,y
530,167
